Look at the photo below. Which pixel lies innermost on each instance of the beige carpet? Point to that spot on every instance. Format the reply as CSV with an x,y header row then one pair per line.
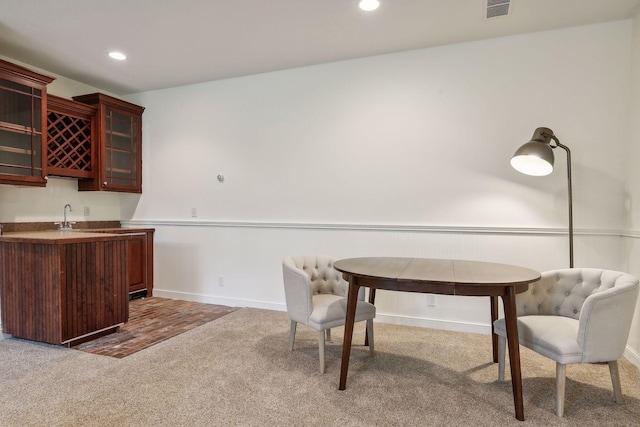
x,y
237,371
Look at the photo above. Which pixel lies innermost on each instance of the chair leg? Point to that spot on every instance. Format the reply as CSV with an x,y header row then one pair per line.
x,y
502,344
292,334
328,334
322,352
615,379
369,340
561,376
370,335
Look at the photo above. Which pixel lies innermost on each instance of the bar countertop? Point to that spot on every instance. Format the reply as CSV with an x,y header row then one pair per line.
x,y
55,237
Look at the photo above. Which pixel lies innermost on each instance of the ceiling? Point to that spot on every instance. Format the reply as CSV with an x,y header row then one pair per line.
x,y
172,43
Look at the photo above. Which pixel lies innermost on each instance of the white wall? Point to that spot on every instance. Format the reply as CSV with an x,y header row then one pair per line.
x,y
191,259
401,154
420,137
632,238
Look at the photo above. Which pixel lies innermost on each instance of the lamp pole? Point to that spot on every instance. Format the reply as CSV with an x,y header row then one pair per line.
x,y
570,196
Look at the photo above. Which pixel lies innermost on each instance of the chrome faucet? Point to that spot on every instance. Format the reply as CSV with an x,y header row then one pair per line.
x,y
66,225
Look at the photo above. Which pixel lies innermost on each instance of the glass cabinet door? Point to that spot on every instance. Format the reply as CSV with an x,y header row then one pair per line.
x,y
121,149
21,132
119,142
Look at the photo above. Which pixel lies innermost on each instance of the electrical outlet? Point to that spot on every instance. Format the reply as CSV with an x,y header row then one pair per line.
x,y
220,280
194,212
87,211
431,300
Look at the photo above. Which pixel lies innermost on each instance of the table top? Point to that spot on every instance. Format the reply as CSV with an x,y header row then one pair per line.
x,y
446,272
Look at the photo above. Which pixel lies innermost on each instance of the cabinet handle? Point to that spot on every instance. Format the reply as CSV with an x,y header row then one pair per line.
x,y
104,183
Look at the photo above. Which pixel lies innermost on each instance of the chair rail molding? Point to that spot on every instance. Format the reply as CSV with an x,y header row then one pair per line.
x,y
379,227
632,234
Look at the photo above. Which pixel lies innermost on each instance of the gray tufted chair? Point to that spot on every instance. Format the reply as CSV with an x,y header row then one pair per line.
x,y
576,315
316,297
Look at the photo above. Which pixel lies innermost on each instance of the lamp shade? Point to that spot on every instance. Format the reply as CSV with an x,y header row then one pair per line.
x,y
533,158
536,156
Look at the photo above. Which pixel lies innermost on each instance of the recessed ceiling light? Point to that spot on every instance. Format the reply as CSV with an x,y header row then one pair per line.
x,y
369,4
117,55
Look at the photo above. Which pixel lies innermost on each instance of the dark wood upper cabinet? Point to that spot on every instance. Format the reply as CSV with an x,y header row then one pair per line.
x,y
95,138
71,136
23,124
118,152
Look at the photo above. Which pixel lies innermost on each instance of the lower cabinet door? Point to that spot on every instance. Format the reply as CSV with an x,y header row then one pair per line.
x,y
137,263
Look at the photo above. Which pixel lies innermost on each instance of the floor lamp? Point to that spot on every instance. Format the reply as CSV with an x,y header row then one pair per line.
x,y
536,158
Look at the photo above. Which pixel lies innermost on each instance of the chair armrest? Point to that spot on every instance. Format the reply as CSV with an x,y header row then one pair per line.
x,y
298,293
605,321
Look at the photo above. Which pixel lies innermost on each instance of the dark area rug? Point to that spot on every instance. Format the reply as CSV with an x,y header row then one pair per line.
x,y
152,320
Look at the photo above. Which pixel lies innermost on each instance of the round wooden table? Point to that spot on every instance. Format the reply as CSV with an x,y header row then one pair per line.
x,y
445,277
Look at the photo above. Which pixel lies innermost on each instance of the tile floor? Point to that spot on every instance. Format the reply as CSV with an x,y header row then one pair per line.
x,y
152,320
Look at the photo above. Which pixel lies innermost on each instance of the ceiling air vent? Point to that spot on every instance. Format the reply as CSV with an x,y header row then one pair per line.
x,y
497,8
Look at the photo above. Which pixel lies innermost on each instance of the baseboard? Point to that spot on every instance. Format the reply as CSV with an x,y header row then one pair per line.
x,y
632,356
422,322
394,319
447,325
209,299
